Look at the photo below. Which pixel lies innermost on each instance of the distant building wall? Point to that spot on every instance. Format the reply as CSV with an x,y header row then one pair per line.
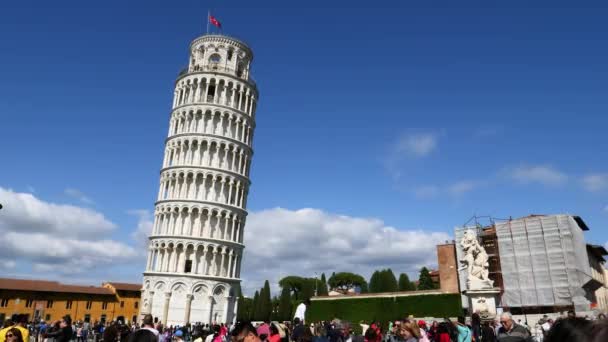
x,y
50,301
448,268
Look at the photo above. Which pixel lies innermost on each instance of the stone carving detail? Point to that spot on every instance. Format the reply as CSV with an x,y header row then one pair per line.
x,y
475,262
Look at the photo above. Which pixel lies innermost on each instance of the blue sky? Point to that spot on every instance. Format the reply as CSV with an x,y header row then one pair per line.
x,y
417,114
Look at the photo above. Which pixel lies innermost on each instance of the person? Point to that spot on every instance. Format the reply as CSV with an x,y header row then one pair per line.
x,y
178,336
13,335
298,329
487,333
142,335
336,333
245,332
16,321
263,330
65,331
443,332
464,333
306,336
408,332
111,332
370,335
274,335
510,331
301,310
432,332
476,326
424,336
601,317
571,329
148,324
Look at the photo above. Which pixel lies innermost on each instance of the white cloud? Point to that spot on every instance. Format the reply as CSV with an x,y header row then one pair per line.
x,y
462,187
417,145
79,195
24,212
595,182
144,226
7,264
284,242
542,174
58,237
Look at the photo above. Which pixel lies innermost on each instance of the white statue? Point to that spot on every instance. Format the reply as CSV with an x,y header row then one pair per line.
x,y
475,261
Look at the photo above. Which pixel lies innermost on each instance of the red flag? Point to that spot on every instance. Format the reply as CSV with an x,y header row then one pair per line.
x,y
214,21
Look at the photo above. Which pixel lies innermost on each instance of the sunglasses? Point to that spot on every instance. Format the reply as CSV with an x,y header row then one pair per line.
x,y
9,335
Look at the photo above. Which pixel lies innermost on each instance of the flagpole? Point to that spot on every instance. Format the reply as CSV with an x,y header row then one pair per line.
x,y
208,16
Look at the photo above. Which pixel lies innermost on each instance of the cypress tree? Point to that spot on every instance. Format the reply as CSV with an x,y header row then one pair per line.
x,y
322,286
265,302
391,281
255,307
425,282
285,305
405,284
373,282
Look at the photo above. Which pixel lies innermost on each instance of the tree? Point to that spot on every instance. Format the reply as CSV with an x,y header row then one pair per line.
x,y
285,305
245,309
293,283
390,281
274,316
308,289
374,282
405,284
265,303
383,281
255,306
344,281
322,286
301,288
363,288
425,282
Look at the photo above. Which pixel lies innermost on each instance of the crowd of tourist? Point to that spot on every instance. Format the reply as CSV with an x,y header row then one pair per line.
x,y
504,329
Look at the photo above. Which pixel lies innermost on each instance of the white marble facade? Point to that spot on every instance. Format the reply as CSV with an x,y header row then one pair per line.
x,y
196,243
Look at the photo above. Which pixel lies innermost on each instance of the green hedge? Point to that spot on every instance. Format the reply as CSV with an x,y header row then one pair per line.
x,y
385,309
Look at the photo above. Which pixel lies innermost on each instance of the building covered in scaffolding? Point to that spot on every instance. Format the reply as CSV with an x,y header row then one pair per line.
x,y
540,263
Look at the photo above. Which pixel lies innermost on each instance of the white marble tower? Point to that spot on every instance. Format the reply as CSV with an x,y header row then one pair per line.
x,y
196,246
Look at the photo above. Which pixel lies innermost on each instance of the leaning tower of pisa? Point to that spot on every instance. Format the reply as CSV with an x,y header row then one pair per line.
x,y
196,245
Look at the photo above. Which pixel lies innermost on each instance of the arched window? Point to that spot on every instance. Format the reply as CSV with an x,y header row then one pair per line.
x,y
215,58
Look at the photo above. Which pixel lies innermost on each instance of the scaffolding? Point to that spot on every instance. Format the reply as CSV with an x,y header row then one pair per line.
x,y
543,262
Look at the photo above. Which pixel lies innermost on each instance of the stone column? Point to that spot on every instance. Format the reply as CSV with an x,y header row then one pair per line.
x,y
221,272
187,313
210,310
151,301
226,308
236,309
203,261
229,268
238,231
166,308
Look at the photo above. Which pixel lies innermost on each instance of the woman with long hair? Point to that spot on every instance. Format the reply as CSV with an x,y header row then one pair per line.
x,y
14,335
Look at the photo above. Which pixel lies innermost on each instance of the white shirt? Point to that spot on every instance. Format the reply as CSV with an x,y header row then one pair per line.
x,y
300,312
